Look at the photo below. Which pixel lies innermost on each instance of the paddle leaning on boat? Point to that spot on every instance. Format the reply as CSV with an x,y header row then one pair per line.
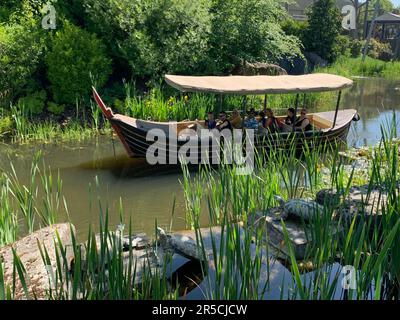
x,y
195,142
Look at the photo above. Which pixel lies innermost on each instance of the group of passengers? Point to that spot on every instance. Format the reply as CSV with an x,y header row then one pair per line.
x,y
260,120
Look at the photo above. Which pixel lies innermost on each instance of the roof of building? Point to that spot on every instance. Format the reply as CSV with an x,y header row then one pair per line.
x,y
388,17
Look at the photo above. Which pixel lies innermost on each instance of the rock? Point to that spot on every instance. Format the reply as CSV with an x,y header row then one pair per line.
x,y
145,255
359,201
315,61
38,276
180,244
258,68
299,234
299,208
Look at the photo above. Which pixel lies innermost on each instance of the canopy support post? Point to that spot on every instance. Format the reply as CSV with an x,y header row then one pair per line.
x,y
337,109
265,103
295,111
220,102
244,103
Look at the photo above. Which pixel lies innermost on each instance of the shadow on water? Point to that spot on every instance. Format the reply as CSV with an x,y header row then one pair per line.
x,y
122,167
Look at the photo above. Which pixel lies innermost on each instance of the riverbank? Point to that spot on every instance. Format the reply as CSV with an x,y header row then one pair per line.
x,y
355,67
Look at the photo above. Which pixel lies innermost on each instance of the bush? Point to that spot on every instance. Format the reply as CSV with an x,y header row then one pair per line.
x,y
379,50
35,103
341,46
356,47
21,48
295,28
77,59
55,108
6,125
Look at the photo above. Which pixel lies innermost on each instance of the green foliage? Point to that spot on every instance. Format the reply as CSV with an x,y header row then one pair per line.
x,y
55,109
295,28
154,36
206,36
21,48
324,29
342,46
34,103
6,125
370,68
77,59
248,30
356,47
379,50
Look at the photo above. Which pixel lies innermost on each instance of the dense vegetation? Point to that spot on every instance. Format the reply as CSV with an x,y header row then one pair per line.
x,y
104,42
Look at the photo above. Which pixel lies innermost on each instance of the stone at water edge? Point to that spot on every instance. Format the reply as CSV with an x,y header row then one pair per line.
x,y
27,249
180,244
357,202
299,208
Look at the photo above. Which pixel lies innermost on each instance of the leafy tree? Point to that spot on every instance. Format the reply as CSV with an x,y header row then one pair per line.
x,y
249,30
153,36
185,36
324,26
76,60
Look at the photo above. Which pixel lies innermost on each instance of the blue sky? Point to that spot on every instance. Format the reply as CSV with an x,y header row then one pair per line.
x,y
396,2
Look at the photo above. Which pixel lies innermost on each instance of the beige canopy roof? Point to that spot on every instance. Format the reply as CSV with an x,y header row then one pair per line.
x,y
244,85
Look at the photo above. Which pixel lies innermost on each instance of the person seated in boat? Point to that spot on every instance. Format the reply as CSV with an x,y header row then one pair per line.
x,y
251,122
210,122
262,119
272,124
223,122
236,120
291,117
302,122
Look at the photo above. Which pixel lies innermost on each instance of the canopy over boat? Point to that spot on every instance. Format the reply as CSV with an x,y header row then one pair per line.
x,y
248,85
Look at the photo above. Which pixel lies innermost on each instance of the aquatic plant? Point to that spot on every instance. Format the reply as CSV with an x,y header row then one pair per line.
x,y
349,67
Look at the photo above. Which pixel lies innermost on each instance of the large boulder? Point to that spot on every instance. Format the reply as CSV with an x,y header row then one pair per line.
x,y
37,274
258,69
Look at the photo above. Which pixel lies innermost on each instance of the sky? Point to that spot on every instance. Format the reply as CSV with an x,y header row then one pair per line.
x,y
396,2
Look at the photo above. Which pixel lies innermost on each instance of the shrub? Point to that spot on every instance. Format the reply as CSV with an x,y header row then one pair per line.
x,y
324,26
35,103
356,47
21,48
341,46
6,125
55,108
379,50
295,28
77,59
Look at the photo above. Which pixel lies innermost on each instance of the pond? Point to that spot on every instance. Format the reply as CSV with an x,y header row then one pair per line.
x,y
149,193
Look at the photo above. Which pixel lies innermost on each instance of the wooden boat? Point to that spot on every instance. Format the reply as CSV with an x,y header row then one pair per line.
x,y
331,126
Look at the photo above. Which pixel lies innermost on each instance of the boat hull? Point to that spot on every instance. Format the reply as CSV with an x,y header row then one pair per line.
x,y
137,144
